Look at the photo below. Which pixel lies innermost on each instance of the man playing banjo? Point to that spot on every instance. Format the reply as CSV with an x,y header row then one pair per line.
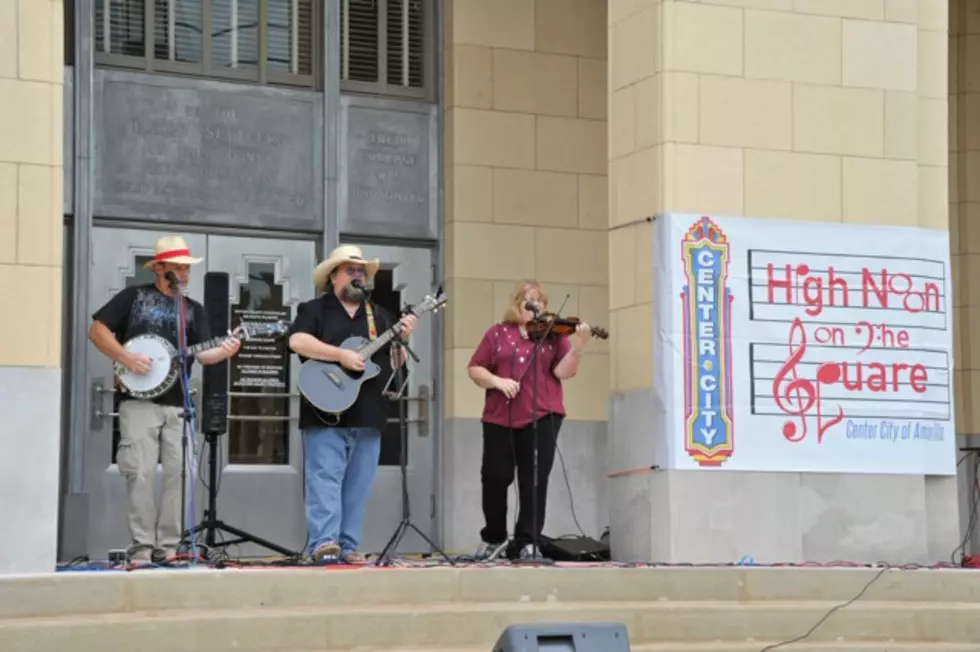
x,y
153,428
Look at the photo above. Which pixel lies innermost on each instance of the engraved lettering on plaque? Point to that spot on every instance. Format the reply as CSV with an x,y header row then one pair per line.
x,y
388,168
180,152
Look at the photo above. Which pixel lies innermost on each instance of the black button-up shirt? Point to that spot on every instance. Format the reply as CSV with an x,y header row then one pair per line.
x,y
326,319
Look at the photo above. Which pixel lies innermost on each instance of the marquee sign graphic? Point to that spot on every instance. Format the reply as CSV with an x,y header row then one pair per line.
x,y
709,423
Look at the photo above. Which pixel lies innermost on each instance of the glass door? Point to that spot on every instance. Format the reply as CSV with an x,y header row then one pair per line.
x,y
261,456
405,278
117,258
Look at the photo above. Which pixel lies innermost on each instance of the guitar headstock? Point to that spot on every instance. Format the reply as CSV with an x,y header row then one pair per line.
x,y
432,302
248,330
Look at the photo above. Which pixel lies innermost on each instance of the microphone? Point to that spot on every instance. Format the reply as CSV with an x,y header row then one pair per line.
x,y
531,307
171,280
358,284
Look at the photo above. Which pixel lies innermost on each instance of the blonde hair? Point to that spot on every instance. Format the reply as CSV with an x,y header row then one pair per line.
x,y
512,315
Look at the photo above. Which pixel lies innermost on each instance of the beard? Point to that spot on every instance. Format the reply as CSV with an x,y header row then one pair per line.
x,y
351,294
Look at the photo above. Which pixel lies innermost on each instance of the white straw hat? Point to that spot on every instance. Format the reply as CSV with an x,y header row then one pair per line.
x,y
171,249
340,255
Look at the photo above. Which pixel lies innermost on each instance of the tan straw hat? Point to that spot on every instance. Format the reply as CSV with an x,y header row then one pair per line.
x,y
340,255
171,249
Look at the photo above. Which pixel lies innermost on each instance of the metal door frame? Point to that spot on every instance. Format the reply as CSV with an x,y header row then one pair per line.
x,y
75,499
79,173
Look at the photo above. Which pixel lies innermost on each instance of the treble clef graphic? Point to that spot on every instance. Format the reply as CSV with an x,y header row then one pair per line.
x,y
800,389
802,392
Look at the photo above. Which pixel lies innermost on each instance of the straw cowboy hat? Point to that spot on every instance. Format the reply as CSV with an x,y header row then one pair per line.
x,y
339,256
171,249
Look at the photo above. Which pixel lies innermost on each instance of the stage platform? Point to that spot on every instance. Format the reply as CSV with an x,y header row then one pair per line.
x,y
427,606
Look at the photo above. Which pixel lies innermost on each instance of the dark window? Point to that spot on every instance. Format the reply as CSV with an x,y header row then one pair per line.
x,y
385,46
384,294
259,41
69,28
258,430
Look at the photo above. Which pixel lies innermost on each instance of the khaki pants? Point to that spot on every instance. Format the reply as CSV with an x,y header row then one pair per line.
x,y
149,432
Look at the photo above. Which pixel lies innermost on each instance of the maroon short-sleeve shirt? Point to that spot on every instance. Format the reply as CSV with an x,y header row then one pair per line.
x,y
504,352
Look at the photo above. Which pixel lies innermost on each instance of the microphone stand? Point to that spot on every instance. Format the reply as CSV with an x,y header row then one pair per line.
x,y
384,559
187,414
536,556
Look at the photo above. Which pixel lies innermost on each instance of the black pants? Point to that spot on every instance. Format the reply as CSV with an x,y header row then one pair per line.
x,y
503,450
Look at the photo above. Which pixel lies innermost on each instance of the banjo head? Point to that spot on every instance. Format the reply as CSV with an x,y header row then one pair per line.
x,y
161,354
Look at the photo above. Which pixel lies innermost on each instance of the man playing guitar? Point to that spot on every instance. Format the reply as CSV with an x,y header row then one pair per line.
x,y
152,429
341,451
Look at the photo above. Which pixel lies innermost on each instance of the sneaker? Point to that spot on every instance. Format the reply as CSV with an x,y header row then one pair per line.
x,y
489,551
326,553
140,555
527,552
353,557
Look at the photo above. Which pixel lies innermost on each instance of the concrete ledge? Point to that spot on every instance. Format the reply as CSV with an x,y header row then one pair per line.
x,y
753,646
333,625
68,594
29,466
676,516
719,609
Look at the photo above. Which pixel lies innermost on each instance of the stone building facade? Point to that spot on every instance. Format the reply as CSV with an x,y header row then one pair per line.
x,y
474,143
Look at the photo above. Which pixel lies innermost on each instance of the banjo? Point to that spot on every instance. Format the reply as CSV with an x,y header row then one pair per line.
x,y
164,358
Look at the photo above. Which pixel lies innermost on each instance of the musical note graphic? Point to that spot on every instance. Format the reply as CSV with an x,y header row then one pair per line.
x,y
799,395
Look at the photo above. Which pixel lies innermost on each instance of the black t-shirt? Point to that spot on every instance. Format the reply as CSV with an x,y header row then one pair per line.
x,y
326,319
144,309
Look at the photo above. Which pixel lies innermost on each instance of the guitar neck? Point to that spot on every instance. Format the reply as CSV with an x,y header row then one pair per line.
x,y
367,351
207,344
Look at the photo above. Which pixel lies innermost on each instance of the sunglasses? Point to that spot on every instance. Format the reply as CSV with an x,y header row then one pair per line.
x,y
355,271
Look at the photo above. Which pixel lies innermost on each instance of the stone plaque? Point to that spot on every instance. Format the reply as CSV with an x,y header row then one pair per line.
x,y
388,173
208,153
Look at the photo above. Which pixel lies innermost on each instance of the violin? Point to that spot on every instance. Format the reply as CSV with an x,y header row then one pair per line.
x,y
550,324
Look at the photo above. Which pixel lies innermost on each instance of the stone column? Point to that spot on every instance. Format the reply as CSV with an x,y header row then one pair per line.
x,y
31,232
964,198
817,110
525,188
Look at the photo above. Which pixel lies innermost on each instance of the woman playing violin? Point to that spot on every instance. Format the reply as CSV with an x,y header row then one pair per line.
x,y
501,366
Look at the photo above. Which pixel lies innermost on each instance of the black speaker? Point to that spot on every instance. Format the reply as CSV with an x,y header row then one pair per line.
x,y
565,637
575,549
214,401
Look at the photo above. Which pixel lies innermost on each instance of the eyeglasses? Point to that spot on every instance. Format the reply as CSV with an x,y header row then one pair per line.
x,y
355,271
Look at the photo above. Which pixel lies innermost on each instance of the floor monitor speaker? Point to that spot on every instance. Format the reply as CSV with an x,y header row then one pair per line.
x,y
564,637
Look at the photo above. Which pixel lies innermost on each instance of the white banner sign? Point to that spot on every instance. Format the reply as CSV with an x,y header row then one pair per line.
x,y
802,346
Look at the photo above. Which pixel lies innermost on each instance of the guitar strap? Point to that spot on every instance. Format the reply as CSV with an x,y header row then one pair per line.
x,y
372,329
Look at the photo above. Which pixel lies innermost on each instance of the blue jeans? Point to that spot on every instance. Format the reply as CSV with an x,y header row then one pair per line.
x,y
340,464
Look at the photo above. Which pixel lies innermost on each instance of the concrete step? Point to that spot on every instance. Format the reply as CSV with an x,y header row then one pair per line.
x,y
156,590
730,647
460,625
